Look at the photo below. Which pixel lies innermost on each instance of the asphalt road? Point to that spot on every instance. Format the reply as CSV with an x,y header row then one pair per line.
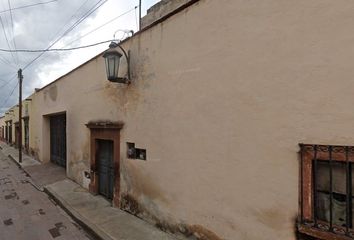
x,y
26,213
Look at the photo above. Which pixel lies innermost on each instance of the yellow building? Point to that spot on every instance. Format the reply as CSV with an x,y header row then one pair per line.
x,y
10,125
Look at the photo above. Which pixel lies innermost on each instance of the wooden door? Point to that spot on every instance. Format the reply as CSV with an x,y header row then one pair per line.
x,y
105,168
58,140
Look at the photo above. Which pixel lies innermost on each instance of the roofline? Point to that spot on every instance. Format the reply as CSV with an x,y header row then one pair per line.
x,y
167,16
153,24
66,74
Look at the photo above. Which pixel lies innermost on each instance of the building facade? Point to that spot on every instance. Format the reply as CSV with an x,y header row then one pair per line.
x,y
205,139
9,124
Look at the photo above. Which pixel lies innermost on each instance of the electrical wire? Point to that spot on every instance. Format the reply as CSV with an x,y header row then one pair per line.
x,y
101,26
88,13
13,31
93,9
55,36
6,62
14,76
27,6
55,49
7,40
7,99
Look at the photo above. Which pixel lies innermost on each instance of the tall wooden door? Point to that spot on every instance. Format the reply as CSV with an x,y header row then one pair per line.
x,y
58,140
105,168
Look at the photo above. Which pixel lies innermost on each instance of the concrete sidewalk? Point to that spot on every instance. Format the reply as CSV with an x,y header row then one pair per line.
x,y
94,213
98,215
13,154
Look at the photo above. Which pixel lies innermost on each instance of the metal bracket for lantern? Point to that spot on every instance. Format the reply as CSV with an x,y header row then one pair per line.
x,y
112,61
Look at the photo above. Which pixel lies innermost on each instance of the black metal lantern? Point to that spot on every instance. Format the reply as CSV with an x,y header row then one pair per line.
x,y
112,60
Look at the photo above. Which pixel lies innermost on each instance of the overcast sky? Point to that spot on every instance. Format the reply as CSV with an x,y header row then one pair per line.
x,y
39,26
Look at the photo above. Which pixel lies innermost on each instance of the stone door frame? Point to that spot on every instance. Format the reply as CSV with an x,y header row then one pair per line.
x,y
105,131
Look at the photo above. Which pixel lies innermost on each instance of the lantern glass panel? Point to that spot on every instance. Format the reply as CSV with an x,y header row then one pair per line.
x,y
111,64
116,66
107,67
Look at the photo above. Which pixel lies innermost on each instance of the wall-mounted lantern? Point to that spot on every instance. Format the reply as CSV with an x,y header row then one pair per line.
x,y
112,60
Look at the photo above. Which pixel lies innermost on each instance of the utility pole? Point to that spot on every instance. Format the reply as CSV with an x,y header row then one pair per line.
x,y
20,78
139,15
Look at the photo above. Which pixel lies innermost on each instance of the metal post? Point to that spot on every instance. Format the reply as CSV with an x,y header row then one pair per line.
x,y
20,78
139,14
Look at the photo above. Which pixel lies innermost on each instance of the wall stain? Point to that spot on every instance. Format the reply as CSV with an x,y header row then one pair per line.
x,y
130,96
53,92
272,217
126,97
34,152
195,232
131,205
142,184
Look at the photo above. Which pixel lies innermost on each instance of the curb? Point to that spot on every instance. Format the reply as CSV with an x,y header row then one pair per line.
x,y
14,160
82,221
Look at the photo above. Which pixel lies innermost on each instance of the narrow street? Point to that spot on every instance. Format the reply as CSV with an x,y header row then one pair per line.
x,y
27,213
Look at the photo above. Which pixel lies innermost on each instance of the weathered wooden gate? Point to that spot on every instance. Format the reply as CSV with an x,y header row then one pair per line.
x,y
58,140
105,168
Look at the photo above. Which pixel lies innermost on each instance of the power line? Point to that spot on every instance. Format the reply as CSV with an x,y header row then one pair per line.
x,y
54,49
13,30
7,99
7,40
62,27
8,81
93,9
27,6
87,14
101,26
6,62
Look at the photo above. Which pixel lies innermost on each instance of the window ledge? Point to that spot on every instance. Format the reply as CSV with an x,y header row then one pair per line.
x,y
323,235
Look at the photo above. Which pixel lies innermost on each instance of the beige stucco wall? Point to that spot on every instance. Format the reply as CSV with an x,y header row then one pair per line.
x,y
222,94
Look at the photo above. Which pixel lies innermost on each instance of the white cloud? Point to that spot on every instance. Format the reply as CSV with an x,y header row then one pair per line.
x,y
37,27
